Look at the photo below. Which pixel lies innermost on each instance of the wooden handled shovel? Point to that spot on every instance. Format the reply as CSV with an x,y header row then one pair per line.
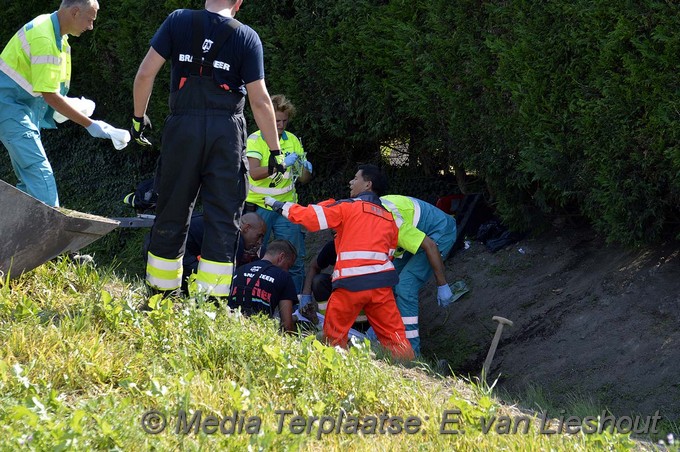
x,y
494,343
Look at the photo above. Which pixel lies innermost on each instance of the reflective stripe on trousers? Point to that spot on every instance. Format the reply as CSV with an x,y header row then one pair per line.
x,y
213,278
413,270
163,274
411,326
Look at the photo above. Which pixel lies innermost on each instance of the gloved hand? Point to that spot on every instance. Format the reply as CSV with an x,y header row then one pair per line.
x,y
276,206
305,299
308,166
269,201
444,295
139,125
99,129
290,160
273,166
308,309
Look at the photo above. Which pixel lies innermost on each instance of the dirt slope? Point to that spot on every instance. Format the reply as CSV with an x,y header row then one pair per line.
x,y
592,321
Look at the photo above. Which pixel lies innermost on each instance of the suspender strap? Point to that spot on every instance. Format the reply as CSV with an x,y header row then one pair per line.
x,y
247,293
197,44
203,58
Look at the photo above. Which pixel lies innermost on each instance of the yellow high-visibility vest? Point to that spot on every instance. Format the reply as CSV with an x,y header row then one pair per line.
x,y
279,187
38,58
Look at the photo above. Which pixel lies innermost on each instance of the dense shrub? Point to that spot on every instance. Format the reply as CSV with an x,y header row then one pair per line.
x,y
556,108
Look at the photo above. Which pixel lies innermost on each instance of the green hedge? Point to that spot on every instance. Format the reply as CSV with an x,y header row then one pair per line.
x,y
554,108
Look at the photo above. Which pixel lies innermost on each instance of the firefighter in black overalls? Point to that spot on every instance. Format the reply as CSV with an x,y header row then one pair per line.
x,y
203,148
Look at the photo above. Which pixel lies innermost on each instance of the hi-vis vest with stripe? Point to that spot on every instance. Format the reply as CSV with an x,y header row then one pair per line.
x,y
406,211
280,187
365,241
34,60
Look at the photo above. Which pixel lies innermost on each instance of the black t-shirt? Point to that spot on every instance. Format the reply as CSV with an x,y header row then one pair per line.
x,y
272,286
239,62
327,256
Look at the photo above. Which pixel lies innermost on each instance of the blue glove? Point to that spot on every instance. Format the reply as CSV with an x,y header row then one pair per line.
x,y
277,206
305,299
308,166
444,295
370,334
98,129
290,160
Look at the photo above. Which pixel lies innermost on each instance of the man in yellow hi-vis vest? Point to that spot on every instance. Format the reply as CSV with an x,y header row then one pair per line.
x,y
35,71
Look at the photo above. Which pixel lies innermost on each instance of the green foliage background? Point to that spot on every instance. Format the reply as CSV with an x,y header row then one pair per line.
x,y
552,108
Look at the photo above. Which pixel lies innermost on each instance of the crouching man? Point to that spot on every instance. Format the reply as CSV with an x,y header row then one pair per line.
x,y
364,274
265,286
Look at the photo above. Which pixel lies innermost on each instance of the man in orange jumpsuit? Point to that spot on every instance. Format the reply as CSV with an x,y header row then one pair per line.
x,y
364,274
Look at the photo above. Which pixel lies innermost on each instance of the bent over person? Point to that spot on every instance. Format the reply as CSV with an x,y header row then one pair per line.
x,y
426,236
249,247
265,285
35,73
364,274
215,61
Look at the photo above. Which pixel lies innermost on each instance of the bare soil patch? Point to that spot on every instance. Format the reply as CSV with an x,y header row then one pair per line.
x,y
591,321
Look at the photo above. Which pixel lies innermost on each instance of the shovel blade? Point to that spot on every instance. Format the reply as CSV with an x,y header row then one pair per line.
x,y
32,233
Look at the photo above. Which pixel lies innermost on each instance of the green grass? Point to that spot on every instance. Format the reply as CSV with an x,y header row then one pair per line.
x,y
79,367
581,405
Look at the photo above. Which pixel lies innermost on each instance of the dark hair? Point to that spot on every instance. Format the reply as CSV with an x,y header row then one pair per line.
x,y
282,246
375,175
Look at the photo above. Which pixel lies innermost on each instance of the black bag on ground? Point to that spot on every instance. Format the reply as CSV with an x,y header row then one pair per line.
x,y
496,235
144,198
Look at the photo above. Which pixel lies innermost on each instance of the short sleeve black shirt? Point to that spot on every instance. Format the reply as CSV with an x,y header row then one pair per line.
x,y
242,54
272,286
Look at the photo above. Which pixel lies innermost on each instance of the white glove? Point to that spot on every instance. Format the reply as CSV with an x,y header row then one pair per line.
x,y
276,206
100,129
120,137
269,201
85,106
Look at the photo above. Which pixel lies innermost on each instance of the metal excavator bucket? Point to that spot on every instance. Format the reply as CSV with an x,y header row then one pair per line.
x,y
32,233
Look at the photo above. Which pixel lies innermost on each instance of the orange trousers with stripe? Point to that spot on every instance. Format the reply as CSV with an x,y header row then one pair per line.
x,y
382,313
